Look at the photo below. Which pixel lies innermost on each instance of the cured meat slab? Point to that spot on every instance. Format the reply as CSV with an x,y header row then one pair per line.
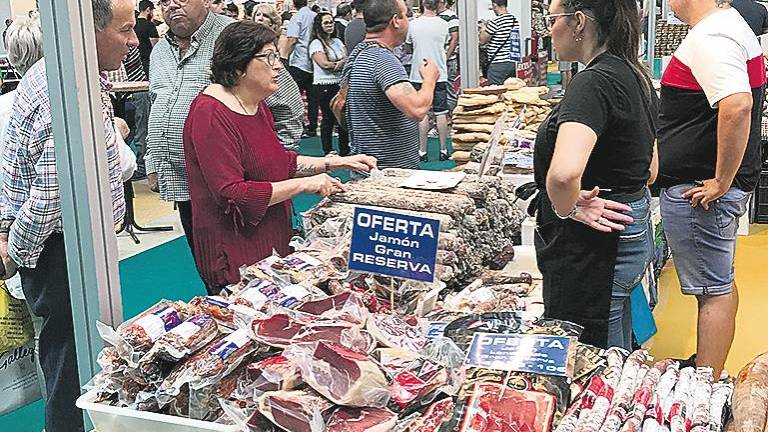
x,y
345,377
346,306
347,419
492,408
281,331
434,416
295,411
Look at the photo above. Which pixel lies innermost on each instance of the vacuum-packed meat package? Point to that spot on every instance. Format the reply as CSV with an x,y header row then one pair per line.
x,y
351,419
273,374
343,376
492,407
208,366
310,267
281,330
296,410
346,306
135,337
417,382
438,415
178,344
224,310
262,293
394,331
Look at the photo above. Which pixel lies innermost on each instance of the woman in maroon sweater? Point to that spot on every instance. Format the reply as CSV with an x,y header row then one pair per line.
x,y
241,179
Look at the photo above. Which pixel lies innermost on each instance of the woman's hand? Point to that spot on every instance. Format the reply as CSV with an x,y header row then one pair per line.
x,y
322,185
362,163
601,214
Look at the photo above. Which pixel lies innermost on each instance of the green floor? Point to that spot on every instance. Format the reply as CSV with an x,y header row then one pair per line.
x,y
168,272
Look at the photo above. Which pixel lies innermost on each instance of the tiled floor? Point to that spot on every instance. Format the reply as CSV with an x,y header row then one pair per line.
x,y
150,211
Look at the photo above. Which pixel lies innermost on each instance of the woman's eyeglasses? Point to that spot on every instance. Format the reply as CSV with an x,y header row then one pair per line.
x,y
270,56
551,19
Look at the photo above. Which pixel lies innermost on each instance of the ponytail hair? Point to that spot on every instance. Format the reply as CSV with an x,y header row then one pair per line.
x,y
619,29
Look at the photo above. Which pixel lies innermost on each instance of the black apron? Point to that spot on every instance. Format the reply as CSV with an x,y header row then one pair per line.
x,y
576,261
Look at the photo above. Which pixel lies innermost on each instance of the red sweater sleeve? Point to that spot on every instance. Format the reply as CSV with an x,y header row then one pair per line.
x,y
217,148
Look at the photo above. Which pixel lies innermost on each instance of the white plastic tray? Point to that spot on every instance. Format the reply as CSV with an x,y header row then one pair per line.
x,y
112,419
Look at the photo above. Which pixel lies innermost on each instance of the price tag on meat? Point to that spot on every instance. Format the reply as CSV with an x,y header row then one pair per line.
x,y
539,354
394,244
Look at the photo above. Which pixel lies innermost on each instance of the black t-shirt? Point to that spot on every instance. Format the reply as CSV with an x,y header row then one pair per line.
x,y
145,31
755,14
606,97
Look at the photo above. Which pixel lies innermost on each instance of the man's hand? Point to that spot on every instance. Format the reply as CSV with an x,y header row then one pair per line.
x,y
152,180
711,191
601,214
9,266
429,71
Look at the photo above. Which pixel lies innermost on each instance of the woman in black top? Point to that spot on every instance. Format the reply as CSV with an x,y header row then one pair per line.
x,y
592,162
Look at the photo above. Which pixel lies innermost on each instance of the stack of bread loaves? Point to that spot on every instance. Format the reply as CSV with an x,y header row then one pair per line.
x,y
476,112
518,95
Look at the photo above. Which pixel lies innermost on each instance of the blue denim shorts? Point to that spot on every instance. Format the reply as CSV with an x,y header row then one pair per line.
x,y
703,242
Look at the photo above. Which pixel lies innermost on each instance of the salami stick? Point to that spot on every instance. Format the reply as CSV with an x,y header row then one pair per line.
x,y
702,394
654,416
592,421
678,411
633,369
643,396
721,392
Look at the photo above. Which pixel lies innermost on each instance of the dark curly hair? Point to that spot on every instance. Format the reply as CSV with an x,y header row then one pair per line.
x,y
236,46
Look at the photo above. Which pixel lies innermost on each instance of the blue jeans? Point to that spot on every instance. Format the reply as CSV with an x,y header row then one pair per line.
x,y
634,255
703,242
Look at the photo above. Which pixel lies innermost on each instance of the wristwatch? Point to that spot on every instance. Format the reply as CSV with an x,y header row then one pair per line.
x,y
5,226
327,161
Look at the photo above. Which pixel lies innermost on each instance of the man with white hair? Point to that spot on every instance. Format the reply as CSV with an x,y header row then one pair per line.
x,y
31,227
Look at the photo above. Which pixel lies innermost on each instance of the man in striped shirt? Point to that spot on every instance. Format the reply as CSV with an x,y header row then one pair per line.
x,y
497,34
31,228
383,108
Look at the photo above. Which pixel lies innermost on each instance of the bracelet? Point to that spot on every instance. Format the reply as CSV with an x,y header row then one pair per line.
x,y
568,216
327,164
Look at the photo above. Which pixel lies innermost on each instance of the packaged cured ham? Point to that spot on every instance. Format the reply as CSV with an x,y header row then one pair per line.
x,y
135,337
417,384
435,418
176,345
394,331
343,376
295,411
283,330
495,407
346,306
273,374
348,419
224,310
207,366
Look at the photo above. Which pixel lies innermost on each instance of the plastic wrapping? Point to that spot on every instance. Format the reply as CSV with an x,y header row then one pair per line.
x,y
282,330
224,310
208,366
310,267
176,345
263,292
343,376
272,374
417,385
295,411
491,406
348,419
394,331
135,337
346,306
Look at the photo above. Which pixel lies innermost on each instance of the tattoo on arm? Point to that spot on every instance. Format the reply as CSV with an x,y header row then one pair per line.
x,y
303,170
408,89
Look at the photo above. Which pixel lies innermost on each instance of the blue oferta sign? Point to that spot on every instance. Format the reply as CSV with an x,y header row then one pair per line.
x,y
394,244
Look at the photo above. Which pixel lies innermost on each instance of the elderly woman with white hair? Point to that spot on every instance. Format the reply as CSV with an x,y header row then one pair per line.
x,y
24,42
